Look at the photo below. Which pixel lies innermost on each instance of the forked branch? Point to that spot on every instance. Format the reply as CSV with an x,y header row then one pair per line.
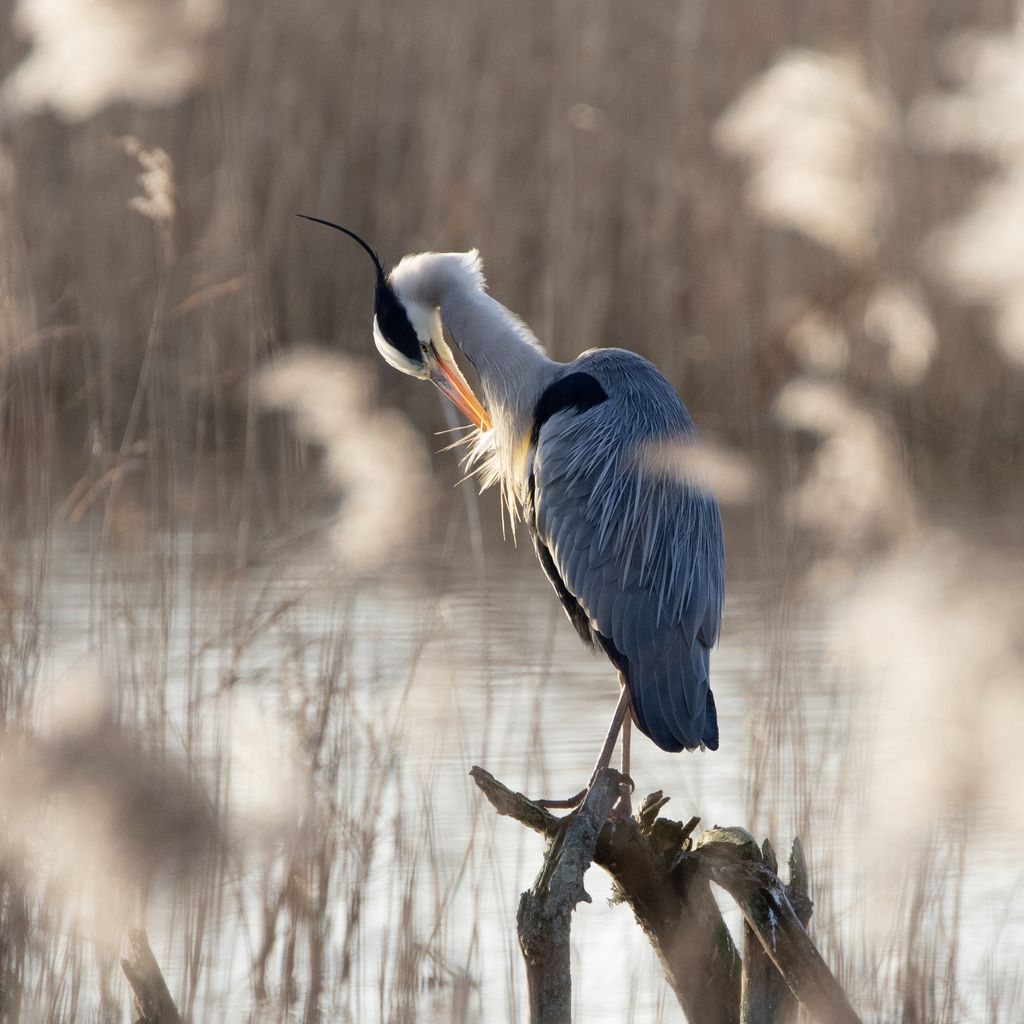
x,y
664,878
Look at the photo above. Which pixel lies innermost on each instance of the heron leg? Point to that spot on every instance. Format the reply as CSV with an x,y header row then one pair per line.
x,y
604,759
626,723
624,807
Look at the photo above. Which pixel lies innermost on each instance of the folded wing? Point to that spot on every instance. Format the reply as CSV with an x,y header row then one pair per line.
x,y
636,557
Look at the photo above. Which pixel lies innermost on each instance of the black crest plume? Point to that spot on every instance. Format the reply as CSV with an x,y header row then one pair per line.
x,y
391,316
370,251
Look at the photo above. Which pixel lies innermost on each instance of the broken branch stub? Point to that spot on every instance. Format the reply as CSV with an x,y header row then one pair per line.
x,y
734,861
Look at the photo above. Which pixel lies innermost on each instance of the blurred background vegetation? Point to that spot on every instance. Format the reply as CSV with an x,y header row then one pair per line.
x,y
574,143
809,214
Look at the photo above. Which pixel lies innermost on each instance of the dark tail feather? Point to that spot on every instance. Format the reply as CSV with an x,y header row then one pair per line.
x,y
710,736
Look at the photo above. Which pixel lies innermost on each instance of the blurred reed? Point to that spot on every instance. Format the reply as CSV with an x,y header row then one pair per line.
x,y
600,184
773,203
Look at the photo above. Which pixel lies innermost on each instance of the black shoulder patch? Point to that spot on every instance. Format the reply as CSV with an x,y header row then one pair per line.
x,y
579,391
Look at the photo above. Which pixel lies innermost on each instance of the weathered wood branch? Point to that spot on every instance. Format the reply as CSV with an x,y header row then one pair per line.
x,y
665,882
545,910
799,889
667,891
151,997
763,995
648,858
734,861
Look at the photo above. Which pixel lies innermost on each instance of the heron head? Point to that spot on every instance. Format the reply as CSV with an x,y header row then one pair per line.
x,y
409,337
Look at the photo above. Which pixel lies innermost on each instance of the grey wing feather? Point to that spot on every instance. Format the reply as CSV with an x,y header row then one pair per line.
x,y
575,564
642,554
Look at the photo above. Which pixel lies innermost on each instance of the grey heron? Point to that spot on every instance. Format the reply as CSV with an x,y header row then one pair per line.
x,y
635,555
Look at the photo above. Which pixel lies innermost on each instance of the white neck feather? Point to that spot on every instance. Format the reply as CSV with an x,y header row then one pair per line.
x,y
510,362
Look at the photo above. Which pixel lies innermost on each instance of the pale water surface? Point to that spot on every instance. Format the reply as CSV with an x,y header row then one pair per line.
x,y
459,664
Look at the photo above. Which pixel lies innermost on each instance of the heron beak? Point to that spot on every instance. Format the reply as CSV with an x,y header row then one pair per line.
x,y
450,382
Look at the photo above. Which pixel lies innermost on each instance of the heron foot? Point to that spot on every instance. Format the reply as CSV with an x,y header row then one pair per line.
x,y
622,807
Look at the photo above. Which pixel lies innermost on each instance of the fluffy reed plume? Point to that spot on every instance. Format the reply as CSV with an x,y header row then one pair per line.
x,y
936,630
983,115
88,53
374,456
854,494
157,201
726,474
266,782
813,133
981,253
113,815
819,342
897,318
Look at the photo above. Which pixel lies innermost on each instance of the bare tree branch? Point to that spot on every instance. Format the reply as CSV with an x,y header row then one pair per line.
x,y
648,859
765,998
545,910
665,882
152,999
733,860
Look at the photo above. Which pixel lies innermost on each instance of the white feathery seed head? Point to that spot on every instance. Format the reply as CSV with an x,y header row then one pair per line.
x,y
981,253
157,201
819,342
813,134
897,318
710,468
934,632
376,458
855,493
86,54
